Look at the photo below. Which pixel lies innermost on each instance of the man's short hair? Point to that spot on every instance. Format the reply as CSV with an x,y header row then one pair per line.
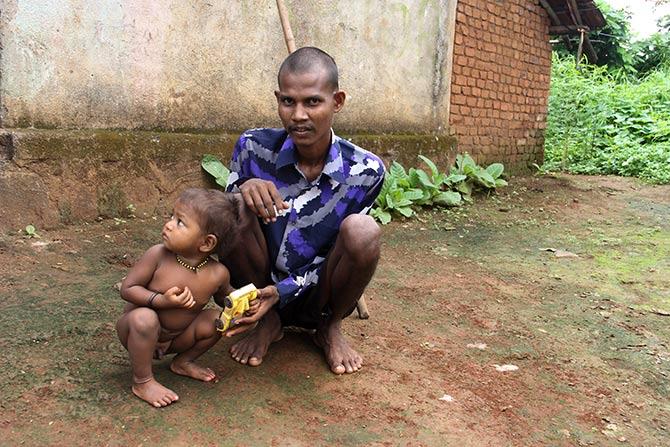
x,y
305,60
217,213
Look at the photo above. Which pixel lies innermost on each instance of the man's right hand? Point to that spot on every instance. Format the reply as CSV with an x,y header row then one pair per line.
x,y
262,197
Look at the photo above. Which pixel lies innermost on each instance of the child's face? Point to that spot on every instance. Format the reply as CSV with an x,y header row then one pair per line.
x,y
182,233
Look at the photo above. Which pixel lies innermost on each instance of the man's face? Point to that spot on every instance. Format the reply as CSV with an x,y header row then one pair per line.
x,y
306,104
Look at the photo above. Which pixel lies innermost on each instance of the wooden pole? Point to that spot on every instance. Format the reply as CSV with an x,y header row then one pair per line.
x,y
286,26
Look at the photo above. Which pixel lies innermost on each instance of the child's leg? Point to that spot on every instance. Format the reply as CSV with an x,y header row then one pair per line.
x,y
197,338
138,331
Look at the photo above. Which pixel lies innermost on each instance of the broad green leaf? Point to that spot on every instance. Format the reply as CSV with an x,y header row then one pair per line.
x,y
214,167
469,170
485,178
405,211
397,171
495,169
447,198
413,194
424,179
389,200
500,182
430,164
388,185
382,216
465,189
454,178
469,161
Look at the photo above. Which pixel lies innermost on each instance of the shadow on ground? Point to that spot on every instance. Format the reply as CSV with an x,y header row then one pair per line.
x,y
564,278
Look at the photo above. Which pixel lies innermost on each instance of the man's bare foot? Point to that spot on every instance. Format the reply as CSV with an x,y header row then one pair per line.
x,y
154,393
192,370
340,356
252,348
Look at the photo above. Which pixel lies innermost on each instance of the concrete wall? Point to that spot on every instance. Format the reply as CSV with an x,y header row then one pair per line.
x,y
500,84
131,64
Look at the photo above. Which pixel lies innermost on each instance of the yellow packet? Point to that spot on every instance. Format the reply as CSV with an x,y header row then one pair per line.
x,y
235,305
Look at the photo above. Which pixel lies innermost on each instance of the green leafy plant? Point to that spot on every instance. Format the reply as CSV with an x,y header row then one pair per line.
x,y
405,190
397,195
603,124
431,186
212,165
31,232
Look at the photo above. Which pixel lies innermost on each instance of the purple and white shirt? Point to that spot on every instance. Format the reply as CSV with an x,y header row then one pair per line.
x,y
301,238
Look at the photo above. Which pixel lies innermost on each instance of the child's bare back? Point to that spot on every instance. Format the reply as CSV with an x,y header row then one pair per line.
x,y
168,288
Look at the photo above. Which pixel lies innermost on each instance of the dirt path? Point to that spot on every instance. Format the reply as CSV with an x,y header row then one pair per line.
x,y
564,278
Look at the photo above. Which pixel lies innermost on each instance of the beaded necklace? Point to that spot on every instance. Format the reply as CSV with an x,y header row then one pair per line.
x,y
195,269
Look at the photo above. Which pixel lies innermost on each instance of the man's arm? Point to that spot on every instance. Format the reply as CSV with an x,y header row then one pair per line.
x,y
261,196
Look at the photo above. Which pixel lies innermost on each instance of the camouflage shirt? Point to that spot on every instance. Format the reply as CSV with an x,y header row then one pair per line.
x,y
300,239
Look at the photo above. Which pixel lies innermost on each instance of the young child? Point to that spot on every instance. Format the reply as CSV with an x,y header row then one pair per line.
x,y
168,288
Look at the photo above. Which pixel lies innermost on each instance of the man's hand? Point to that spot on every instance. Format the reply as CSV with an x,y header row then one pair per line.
x,y
262,197
267,298
176,297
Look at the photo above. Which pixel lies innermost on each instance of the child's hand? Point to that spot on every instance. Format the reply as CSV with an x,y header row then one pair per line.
x,y
178,298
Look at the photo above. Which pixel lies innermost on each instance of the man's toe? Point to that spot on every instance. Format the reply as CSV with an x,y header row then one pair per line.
x,y
255,361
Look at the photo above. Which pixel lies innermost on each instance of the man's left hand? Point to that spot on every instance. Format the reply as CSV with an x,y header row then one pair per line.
x,y
267,298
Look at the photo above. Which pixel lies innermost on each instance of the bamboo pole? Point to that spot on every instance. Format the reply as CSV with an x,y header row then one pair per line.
x,y
286,26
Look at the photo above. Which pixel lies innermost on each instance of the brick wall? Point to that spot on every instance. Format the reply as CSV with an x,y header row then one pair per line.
x,y
500,81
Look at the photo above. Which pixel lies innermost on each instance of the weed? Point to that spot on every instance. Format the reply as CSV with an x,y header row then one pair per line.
x,y
31,231
602,124
405,190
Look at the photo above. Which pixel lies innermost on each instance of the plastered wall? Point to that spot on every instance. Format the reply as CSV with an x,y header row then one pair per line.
x,y
211,65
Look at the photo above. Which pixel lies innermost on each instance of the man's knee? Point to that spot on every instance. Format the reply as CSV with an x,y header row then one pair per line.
x,y
361,238
144,321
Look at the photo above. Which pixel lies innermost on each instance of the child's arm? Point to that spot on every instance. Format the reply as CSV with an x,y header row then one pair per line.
x,y
226,289
134,290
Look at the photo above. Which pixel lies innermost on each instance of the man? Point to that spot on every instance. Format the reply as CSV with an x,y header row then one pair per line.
x,y
306,238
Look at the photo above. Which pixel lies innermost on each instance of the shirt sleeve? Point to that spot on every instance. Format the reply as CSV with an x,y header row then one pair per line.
x,y
370,197
239,166
298,281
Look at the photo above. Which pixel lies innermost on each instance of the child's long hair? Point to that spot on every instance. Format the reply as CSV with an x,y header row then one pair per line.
x,y
217,212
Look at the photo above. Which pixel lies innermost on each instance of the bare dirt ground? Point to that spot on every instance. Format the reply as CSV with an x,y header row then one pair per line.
x,y
566,278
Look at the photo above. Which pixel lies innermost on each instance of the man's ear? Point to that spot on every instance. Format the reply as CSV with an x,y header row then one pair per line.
x,y
277,94
339,96
208,243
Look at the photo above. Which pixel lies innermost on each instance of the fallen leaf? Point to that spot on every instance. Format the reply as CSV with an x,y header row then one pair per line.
x,y
662,312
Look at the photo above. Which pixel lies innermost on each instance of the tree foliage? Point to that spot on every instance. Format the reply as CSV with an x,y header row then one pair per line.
x,y
616,48
602,124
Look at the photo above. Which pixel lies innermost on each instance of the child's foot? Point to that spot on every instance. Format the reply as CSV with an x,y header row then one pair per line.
x,y
154,393
193,370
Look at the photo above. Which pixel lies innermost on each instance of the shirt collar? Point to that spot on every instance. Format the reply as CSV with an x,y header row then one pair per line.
x,y
334,166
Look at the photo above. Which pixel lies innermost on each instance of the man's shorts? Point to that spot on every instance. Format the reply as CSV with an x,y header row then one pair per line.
x,y
304,311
